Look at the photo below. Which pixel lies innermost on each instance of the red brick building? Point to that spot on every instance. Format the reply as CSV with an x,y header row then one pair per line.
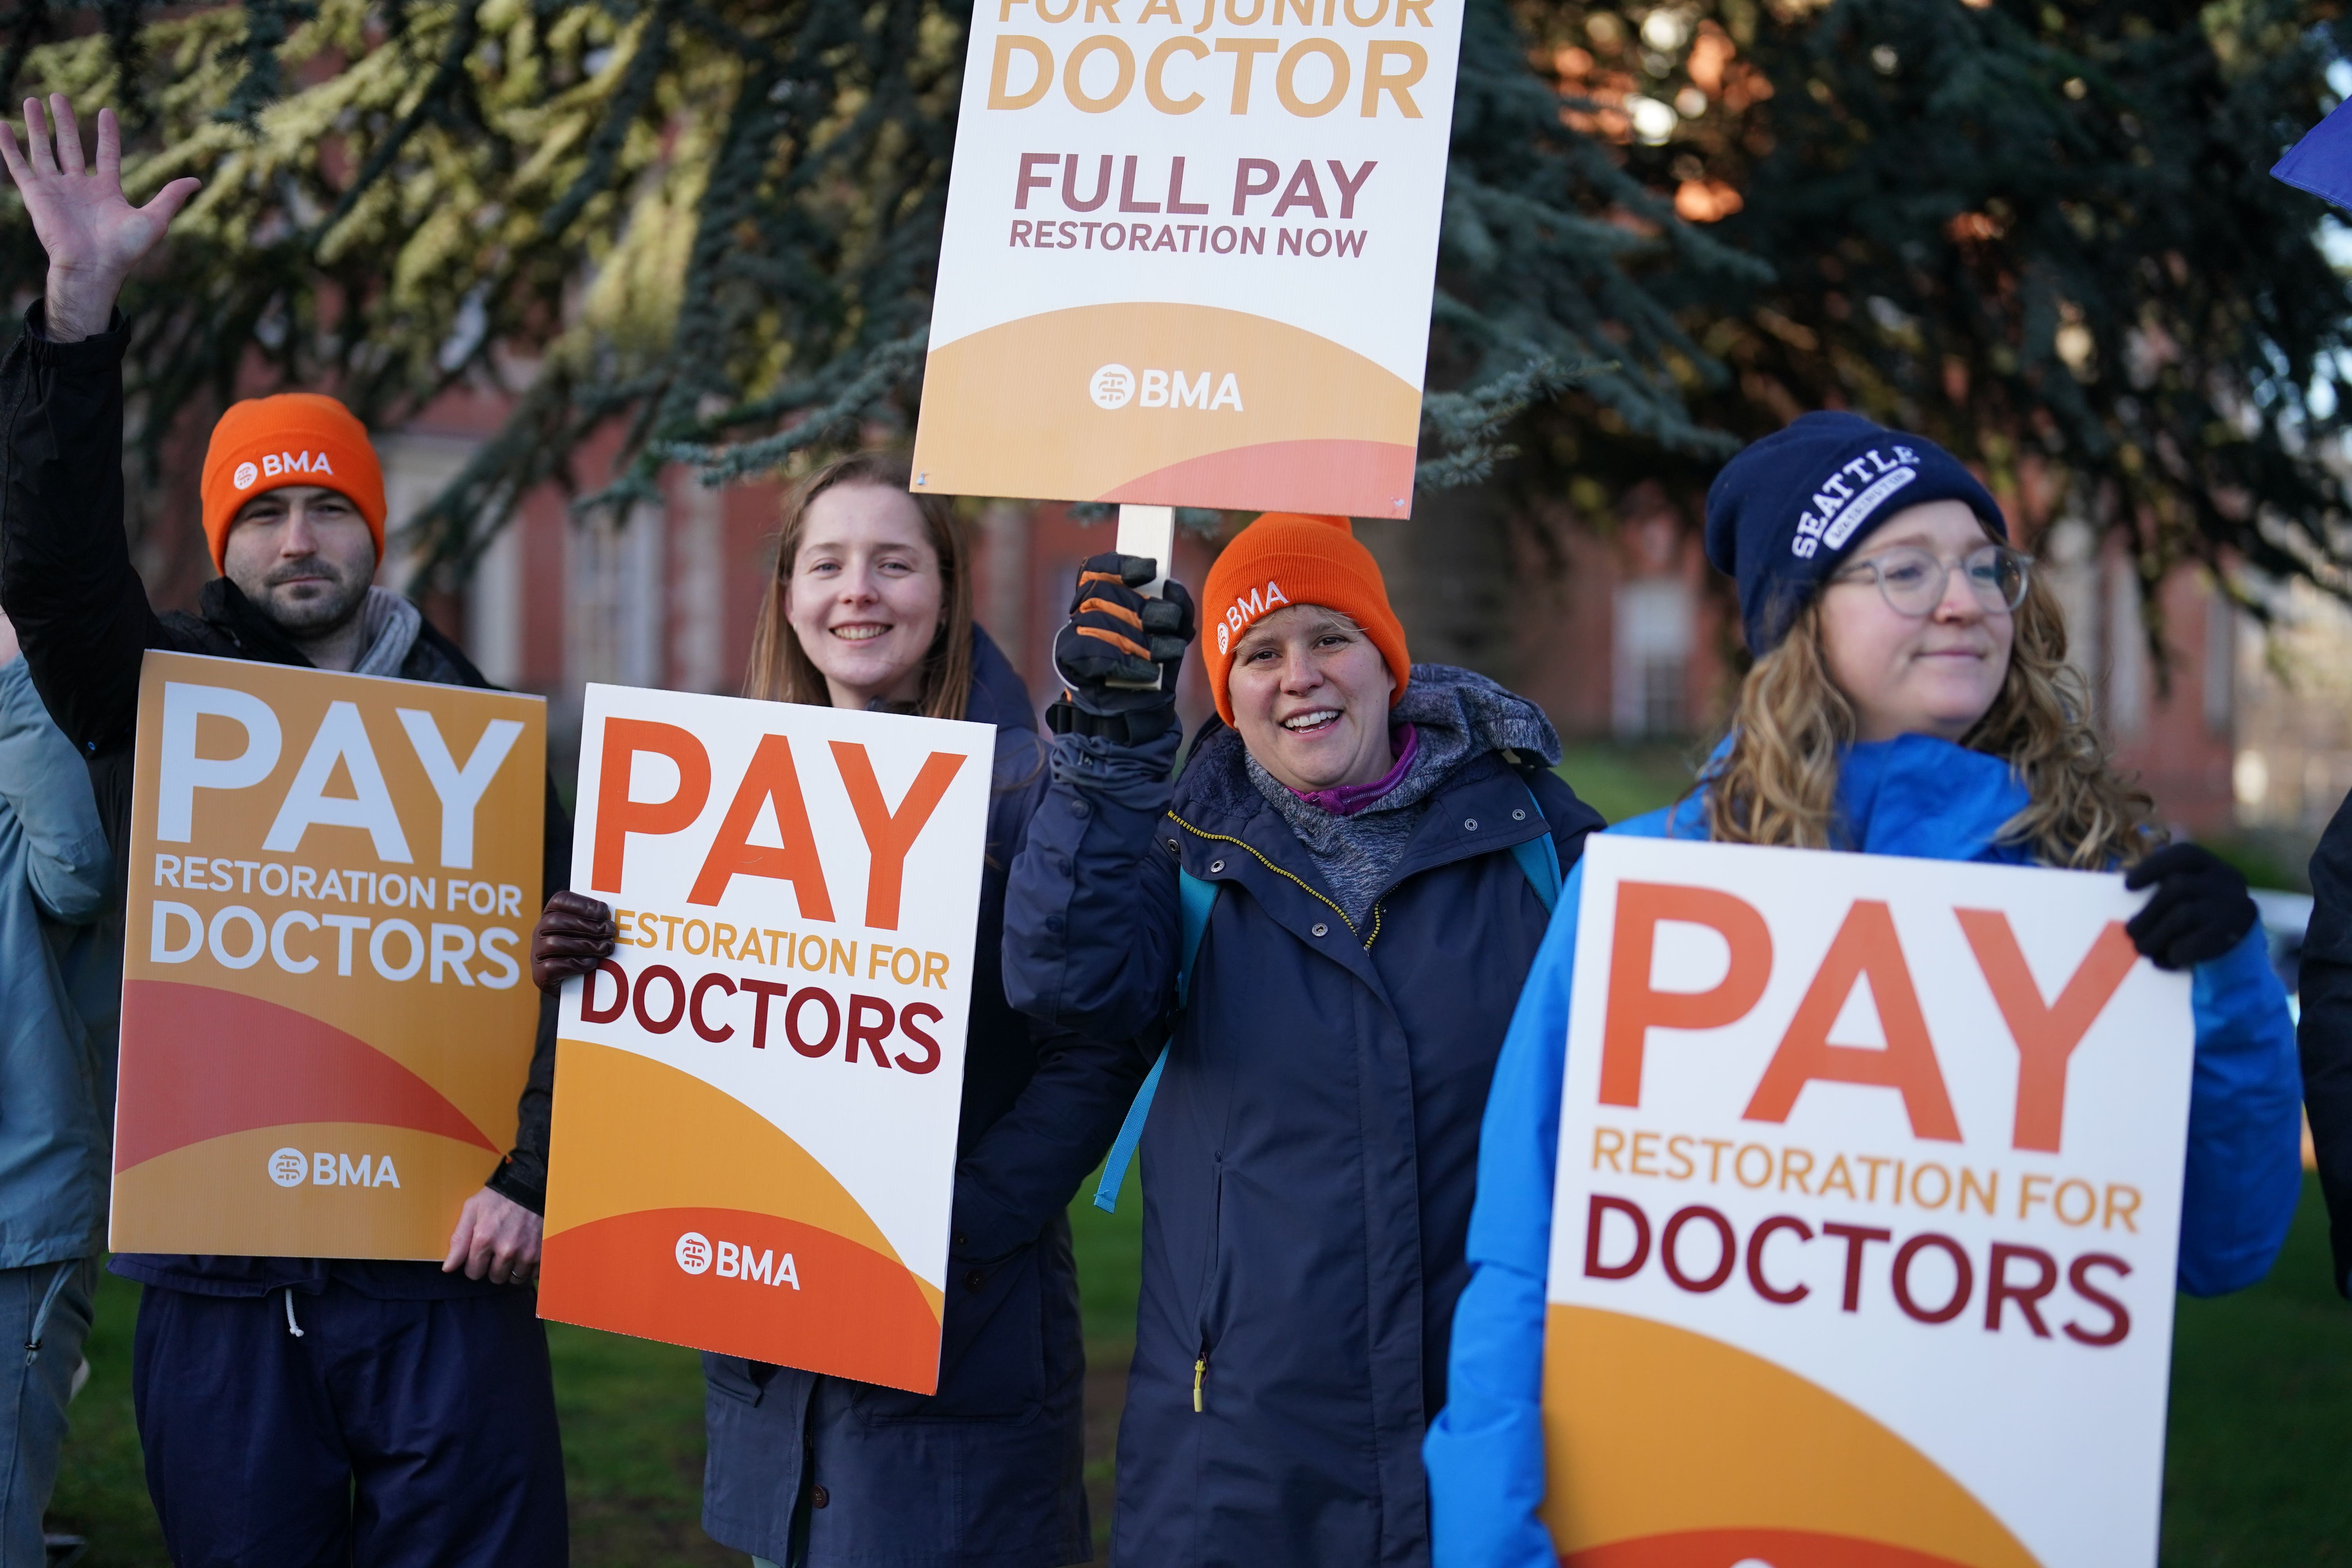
x,y
1619,637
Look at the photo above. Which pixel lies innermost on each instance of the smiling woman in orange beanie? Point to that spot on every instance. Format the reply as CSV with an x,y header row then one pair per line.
x,y
1292,558
1351,877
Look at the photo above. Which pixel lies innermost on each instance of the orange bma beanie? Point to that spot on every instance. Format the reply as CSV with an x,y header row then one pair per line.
x,y
294,438
1288,558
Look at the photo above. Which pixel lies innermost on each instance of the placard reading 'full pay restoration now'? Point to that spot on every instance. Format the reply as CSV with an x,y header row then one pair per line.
x,y
1867,1215
325,1019
1189,252
756,1099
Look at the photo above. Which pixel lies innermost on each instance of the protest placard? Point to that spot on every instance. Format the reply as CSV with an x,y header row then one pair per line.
x,y
1867,1207
1189,253
325,1021
756,1098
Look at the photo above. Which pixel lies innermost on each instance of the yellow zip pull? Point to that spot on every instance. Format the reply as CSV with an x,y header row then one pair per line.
x,y
1200,1371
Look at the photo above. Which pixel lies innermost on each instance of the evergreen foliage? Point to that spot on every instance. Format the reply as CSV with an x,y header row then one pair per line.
x,y
711,225
2042,231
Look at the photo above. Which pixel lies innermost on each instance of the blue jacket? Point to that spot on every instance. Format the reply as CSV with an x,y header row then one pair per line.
x,y
60,989
988,1472
1917,796
1309,1157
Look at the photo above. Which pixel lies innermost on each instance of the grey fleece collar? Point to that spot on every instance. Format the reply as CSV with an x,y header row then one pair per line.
x,y
1486,717
1461,717
391,624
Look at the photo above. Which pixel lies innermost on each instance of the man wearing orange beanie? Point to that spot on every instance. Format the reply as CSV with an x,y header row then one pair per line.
x,y
1328,916
292,1411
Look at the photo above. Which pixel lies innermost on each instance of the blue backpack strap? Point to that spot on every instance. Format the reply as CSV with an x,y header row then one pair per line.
x,y
1196,899
1539,858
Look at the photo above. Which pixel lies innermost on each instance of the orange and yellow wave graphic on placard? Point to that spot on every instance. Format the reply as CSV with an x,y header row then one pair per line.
x,y
1009,411
214,1082
1668,1449
326,1094
645,1154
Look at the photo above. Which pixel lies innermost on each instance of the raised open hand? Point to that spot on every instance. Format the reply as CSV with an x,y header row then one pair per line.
x,y
91,232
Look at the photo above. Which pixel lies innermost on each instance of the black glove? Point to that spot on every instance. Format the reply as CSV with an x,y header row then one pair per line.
x,y
2200,909
573,935
1119,654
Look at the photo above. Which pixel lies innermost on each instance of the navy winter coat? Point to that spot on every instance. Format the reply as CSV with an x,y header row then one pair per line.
x,y
1309,1159
988,1472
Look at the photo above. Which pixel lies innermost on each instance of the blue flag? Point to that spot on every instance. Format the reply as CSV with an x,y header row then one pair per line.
x,y
2322,162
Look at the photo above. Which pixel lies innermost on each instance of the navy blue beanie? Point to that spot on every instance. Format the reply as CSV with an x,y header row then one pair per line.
x,y
1785,513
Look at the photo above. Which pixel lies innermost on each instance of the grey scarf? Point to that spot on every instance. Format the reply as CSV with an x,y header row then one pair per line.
x,y
1460,716
390,623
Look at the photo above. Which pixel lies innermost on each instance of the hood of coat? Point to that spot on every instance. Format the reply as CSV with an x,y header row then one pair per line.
x,y
999,696
1915,796
1443,701
1461,715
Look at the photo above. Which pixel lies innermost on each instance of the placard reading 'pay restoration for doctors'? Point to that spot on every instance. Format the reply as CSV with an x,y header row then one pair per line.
x,y
325,1019
756,1099
1189,253
1867,1208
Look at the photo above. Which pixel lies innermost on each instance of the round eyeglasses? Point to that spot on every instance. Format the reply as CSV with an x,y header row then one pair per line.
x,y
1913,581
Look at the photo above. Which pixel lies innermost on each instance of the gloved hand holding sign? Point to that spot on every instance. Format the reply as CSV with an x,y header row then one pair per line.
x,y
573,935
1120,653
2200,908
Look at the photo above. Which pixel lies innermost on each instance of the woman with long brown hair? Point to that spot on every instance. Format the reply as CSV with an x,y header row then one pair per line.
x,y
1910,696
871,607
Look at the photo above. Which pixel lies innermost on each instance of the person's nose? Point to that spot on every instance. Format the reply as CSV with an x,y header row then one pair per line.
x,y
1300,674
1958,607
858,588
299,538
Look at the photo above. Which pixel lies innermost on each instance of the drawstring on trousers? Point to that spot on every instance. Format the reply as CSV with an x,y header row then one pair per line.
x,y
291,1326
48,1303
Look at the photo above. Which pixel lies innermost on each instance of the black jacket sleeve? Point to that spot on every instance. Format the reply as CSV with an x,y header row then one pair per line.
x,y
1028,1166
66,578
523,1175
2326,1032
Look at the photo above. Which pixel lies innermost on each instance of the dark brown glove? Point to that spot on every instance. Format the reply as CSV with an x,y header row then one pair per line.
x,y
573,935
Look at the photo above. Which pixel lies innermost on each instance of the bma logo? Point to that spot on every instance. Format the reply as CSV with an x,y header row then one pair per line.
x,y
1244,609
1115,387
696,1255
292,1167
278,463
1112,387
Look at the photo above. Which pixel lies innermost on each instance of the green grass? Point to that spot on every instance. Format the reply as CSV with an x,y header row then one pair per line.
x,y
1620,781
1110,1264
2259,1466
1110,1258
102,1486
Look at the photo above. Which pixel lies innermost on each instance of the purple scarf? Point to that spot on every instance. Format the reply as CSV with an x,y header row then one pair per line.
x,y
1346,800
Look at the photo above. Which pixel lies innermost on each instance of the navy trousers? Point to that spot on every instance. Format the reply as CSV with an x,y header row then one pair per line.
x,y
386,1433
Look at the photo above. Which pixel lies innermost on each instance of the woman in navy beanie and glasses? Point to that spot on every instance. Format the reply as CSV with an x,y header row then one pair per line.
x,y
1910,696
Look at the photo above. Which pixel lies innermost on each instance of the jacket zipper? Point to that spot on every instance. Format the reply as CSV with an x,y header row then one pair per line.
x,y
1228,839
1200,1371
